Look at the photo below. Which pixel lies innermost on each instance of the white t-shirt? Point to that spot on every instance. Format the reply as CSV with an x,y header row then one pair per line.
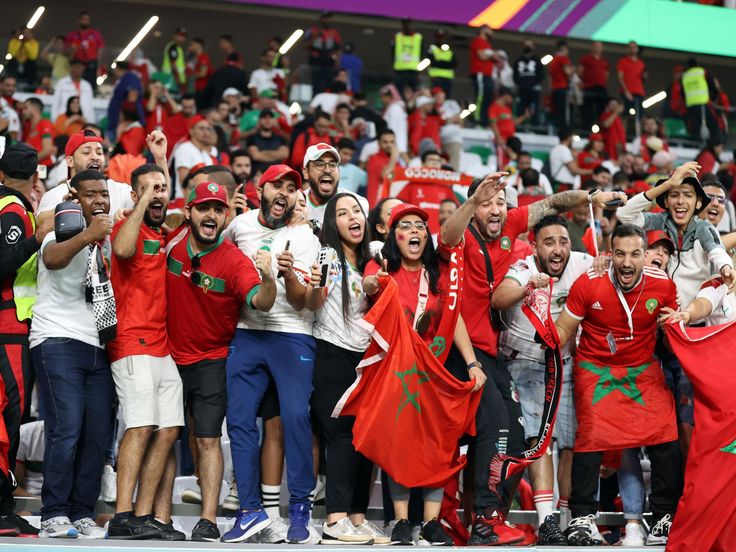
x,y
325,101
66,88
329,323
514,181
723,303
397,120
520,335
31,447
262,79
120,197
61,309
187,155
10,115
246,232
559,157
317,212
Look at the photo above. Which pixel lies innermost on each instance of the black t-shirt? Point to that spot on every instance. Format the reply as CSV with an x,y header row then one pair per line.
x,y
265,143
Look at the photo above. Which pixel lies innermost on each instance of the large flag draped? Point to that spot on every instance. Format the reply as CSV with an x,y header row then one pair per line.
x,y
535,306
409,410
706,514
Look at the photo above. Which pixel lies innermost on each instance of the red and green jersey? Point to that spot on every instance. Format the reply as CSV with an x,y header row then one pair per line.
x,y
139,285
202,316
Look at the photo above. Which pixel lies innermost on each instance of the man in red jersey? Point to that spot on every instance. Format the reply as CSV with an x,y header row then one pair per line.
x,y
481,71
207,275
621,399
146,379
560,71
594,70
631,75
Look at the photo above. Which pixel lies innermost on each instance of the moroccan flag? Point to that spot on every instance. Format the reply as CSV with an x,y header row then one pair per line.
x,y
706,514
409,410
621,407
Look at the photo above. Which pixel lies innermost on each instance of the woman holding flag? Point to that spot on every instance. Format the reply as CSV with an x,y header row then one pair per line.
x,y
428,294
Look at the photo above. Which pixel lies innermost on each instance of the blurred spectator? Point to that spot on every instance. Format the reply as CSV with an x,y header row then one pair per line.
x,y
41,131
407,52
394,113
199,69
200,148
229,75
451,133
662,165
592,154
7,90
127,94
335,93
381,164
424,123
562,163
503,73
639,168
225,44
44,87
9,121
361,110
524,162
241,165
341,120
23,51
560,71
323,44
266,77
528,76
266,101
84,43
318,132
631,75
577,225
131,135
55,55
352,178
612,128
709,157
481,72
698,88
72,120
159,106
675,105
176,126
594,70
174,62
354,67
73,85
501,116
266,147
442,62
228,123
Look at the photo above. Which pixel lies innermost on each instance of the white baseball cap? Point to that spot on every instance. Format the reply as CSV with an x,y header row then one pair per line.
x,y
318,150
424,100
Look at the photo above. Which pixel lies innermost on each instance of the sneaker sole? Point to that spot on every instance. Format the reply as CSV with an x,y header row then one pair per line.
x,y
424,542
67,535
328,540
191,500
205,539
145,536
254,530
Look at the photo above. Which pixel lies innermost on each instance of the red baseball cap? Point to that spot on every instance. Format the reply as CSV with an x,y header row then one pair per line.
x,y
194,120
76,140
654,236
407,209
208,191
437,89
596,136
277,172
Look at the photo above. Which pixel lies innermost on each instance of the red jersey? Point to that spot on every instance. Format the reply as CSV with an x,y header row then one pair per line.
x,y
595,71
139,285
156,119
560,80
477,303
633,74
202,318
428,196
85,43
587,160
408,282
504,119
613,135
203,60
43,129
133,139
421,127
373,167
594,300
477,65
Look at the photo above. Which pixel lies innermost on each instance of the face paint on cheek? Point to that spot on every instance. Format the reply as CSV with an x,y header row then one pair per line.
x,y
400,237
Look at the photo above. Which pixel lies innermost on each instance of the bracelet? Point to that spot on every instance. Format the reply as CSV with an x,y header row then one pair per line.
x,y
591,193
475,363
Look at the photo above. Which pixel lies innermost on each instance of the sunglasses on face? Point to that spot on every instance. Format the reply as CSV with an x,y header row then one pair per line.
x,y
718,199
407,225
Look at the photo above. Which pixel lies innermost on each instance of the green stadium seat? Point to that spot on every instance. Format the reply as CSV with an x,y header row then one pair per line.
x,y
483,151
541,155
676,128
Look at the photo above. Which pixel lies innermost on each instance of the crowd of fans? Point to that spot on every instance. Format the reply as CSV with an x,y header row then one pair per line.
x,y
224,252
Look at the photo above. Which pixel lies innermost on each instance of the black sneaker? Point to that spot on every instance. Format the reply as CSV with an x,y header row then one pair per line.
x,y
550,533
660,532
25,529
435,534
583,531
126,526
205,531
401,533
165,531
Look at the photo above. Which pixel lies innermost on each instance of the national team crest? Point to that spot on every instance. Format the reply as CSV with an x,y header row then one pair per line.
x,y
506,243
212,187
651,304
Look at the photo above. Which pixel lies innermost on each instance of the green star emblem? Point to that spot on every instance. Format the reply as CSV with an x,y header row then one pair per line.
x,y
607,382
410,398
731,449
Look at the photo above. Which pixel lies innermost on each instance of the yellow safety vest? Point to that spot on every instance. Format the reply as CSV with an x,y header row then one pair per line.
x,y
180,64
407,51
24,284
439,57
695,87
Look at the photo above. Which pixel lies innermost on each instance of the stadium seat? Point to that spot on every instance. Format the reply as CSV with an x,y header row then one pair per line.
x,y
483,151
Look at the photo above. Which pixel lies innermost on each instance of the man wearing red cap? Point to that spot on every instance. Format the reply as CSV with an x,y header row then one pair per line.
x,y
278,343
146,379
208,275
200,148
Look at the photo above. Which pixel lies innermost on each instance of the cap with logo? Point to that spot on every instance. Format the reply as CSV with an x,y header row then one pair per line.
x,y
19,161
208,191
654,236
77,140
318,150
407,209
277,172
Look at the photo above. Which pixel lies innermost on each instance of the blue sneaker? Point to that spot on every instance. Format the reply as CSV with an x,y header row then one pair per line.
x,y
247,524
298,521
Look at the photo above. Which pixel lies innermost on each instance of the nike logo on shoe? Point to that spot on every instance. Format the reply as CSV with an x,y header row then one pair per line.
x,y
305,359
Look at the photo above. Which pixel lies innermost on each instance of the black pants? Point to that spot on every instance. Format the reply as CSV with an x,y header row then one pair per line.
x,y
562,113
348,472
594,103
667,480
403,79
90,73
322,76
529,99
695,122
15,371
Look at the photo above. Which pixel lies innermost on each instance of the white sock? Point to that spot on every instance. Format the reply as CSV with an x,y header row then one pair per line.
x,y
270,495
543,501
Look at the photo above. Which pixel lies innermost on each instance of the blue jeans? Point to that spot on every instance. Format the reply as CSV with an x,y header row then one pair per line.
x,y
76,388
631,484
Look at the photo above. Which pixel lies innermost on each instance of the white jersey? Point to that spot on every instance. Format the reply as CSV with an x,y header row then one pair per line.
x,y
520,335
317,212
246,232
120,197
723,303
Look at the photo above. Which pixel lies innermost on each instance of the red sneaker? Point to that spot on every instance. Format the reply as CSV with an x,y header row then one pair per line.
x,y
494,532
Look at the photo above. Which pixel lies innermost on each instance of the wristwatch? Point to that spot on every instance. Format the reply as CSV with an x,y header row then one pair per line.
x,y
475,363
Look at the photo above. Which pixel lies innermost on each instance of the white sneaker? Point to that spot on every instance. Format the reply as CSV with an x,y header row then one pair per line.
x,y
274,533
371,529
343,531
231,502
635,534
191,496
319,489
88,529
59,527
109,485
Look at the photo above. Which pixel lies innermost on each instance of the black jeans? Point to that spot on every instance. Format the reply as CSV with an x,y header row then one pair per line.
x,y
403,79
667,480
594,103
561,107
529,99
348,472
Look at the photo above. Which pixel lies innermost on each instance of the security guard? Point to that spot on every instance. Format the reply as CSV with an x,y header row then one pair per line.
x,y
442,63
698,88
20,239
175,64
407,55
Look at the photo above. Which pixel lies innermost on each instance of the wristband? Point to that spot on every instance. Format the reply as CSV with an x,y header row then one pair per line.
x,y
475,363
591,193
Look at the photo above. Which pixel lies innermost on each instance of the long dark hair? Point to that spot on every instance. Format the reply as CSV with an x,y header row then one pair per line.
x,y
330,236
69,112
392,254
374,219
